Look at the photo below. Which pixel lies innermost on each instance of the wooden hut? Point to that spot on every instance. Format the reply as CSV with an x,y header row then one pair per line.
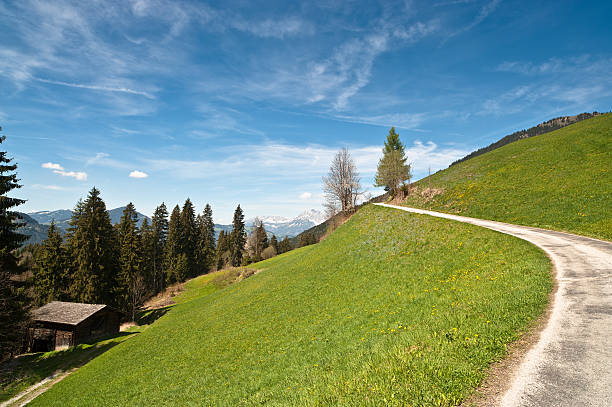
x,y
59,325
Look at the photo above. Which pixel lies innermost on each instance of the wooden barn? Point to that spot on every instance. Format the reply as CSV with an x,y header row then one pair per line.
x,y
59,325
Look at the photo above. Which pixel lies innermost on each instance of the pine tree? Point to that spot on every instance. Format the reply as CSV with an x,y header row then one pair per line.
x,y
262,237
50,278
130,278
181,269
237,237
393,142
274,243
93,245
159,225
223,250
147,254
173,245
189,237
14,315
206,243
285,245
392,171
306,239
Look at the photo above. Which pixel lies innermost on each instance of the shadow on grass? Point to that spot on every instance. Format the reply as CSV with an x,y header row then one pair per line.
x,y
147,317
26,370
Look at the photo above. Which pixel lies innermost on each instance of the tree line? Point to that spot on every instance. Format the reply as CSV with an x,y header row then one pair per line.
x,y
123,265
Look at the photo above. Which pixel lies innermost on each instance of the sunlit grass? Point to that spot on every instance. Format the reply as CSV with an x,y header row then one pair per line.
x,y
560,180
391,309
27,370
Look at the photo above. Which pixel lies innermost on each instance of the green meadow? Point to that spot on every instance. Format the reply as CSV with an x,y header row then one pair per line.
x,y
30,369
560,180
391,309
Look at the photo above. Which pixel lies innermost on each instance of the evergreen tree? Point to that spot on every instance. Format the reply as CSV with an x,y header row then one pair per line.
x,y
274,243
50,279
307,238
93,245
181,269
159,224
173,248
393,142
147,254
261,238
223,250
189,237
237,237
130,278
206,243
284,246
13,302
392,171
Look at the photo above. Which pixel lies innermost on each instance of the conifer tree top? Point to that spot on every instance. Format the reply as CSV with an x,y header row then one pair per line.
x,y
393,142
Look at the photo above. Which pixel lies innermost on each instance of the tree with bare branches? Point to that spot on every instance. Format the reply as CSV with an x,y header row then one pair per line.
x,y
342,185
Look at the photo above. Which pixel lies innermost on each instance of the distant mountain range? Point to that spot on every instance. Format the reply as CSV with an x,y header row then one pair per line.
x,y
37,223
282,226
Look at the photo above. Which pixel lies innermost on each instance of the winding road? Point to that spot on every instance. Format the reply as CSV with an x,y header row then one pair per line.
x,y
571,363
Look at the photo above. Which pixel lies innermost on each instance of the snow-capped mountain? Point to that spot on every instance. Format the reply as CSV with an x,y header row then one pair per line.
x,y
282,226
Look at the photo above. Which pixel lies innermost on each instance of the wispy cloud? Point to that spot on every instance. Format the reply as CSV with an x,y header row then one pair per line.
x,y
575,81
583,64
78,175
105,160
276,161
400,120
305,195
335,79
49,187
483,13
96,87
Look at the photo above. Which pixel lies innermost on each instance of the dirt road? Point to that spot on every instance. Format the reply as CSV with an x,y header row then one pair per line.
x,y
571,363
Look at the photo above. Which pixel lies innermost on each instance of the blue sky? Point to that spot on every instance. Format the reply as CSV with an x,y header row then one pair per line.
x,y
247,102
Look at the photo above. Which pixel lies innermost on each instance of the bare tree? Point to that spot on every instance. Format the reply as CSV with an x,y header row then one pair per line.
x,y
257,240
341,186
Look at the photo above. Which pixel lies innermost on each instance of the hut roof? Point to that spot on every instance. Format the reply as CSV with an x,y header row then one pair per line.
x,y
70,313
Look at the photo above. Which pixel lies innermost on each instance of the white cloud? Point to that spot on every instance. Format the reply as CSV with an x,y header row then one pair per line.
x,y
305,195
138,174
58,169
52,166
80,176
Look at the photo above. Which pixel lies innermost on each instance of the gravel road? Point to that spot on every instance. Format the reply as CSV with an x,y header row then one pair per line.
x,y
571,363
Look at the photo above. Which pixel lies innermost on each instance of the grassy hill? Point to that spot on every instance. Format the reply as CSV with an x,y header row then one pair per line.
x,y
560,180
391,309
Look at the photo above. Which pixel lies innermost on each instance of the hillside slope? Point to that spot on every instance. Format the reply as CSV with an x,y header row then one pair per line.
x,y
560,180
542,128
392,308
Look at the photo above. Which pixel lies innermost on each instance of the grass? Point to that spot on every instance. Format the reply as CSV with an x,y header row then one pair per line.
x,y
30,369
560,180
27,370
391,309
